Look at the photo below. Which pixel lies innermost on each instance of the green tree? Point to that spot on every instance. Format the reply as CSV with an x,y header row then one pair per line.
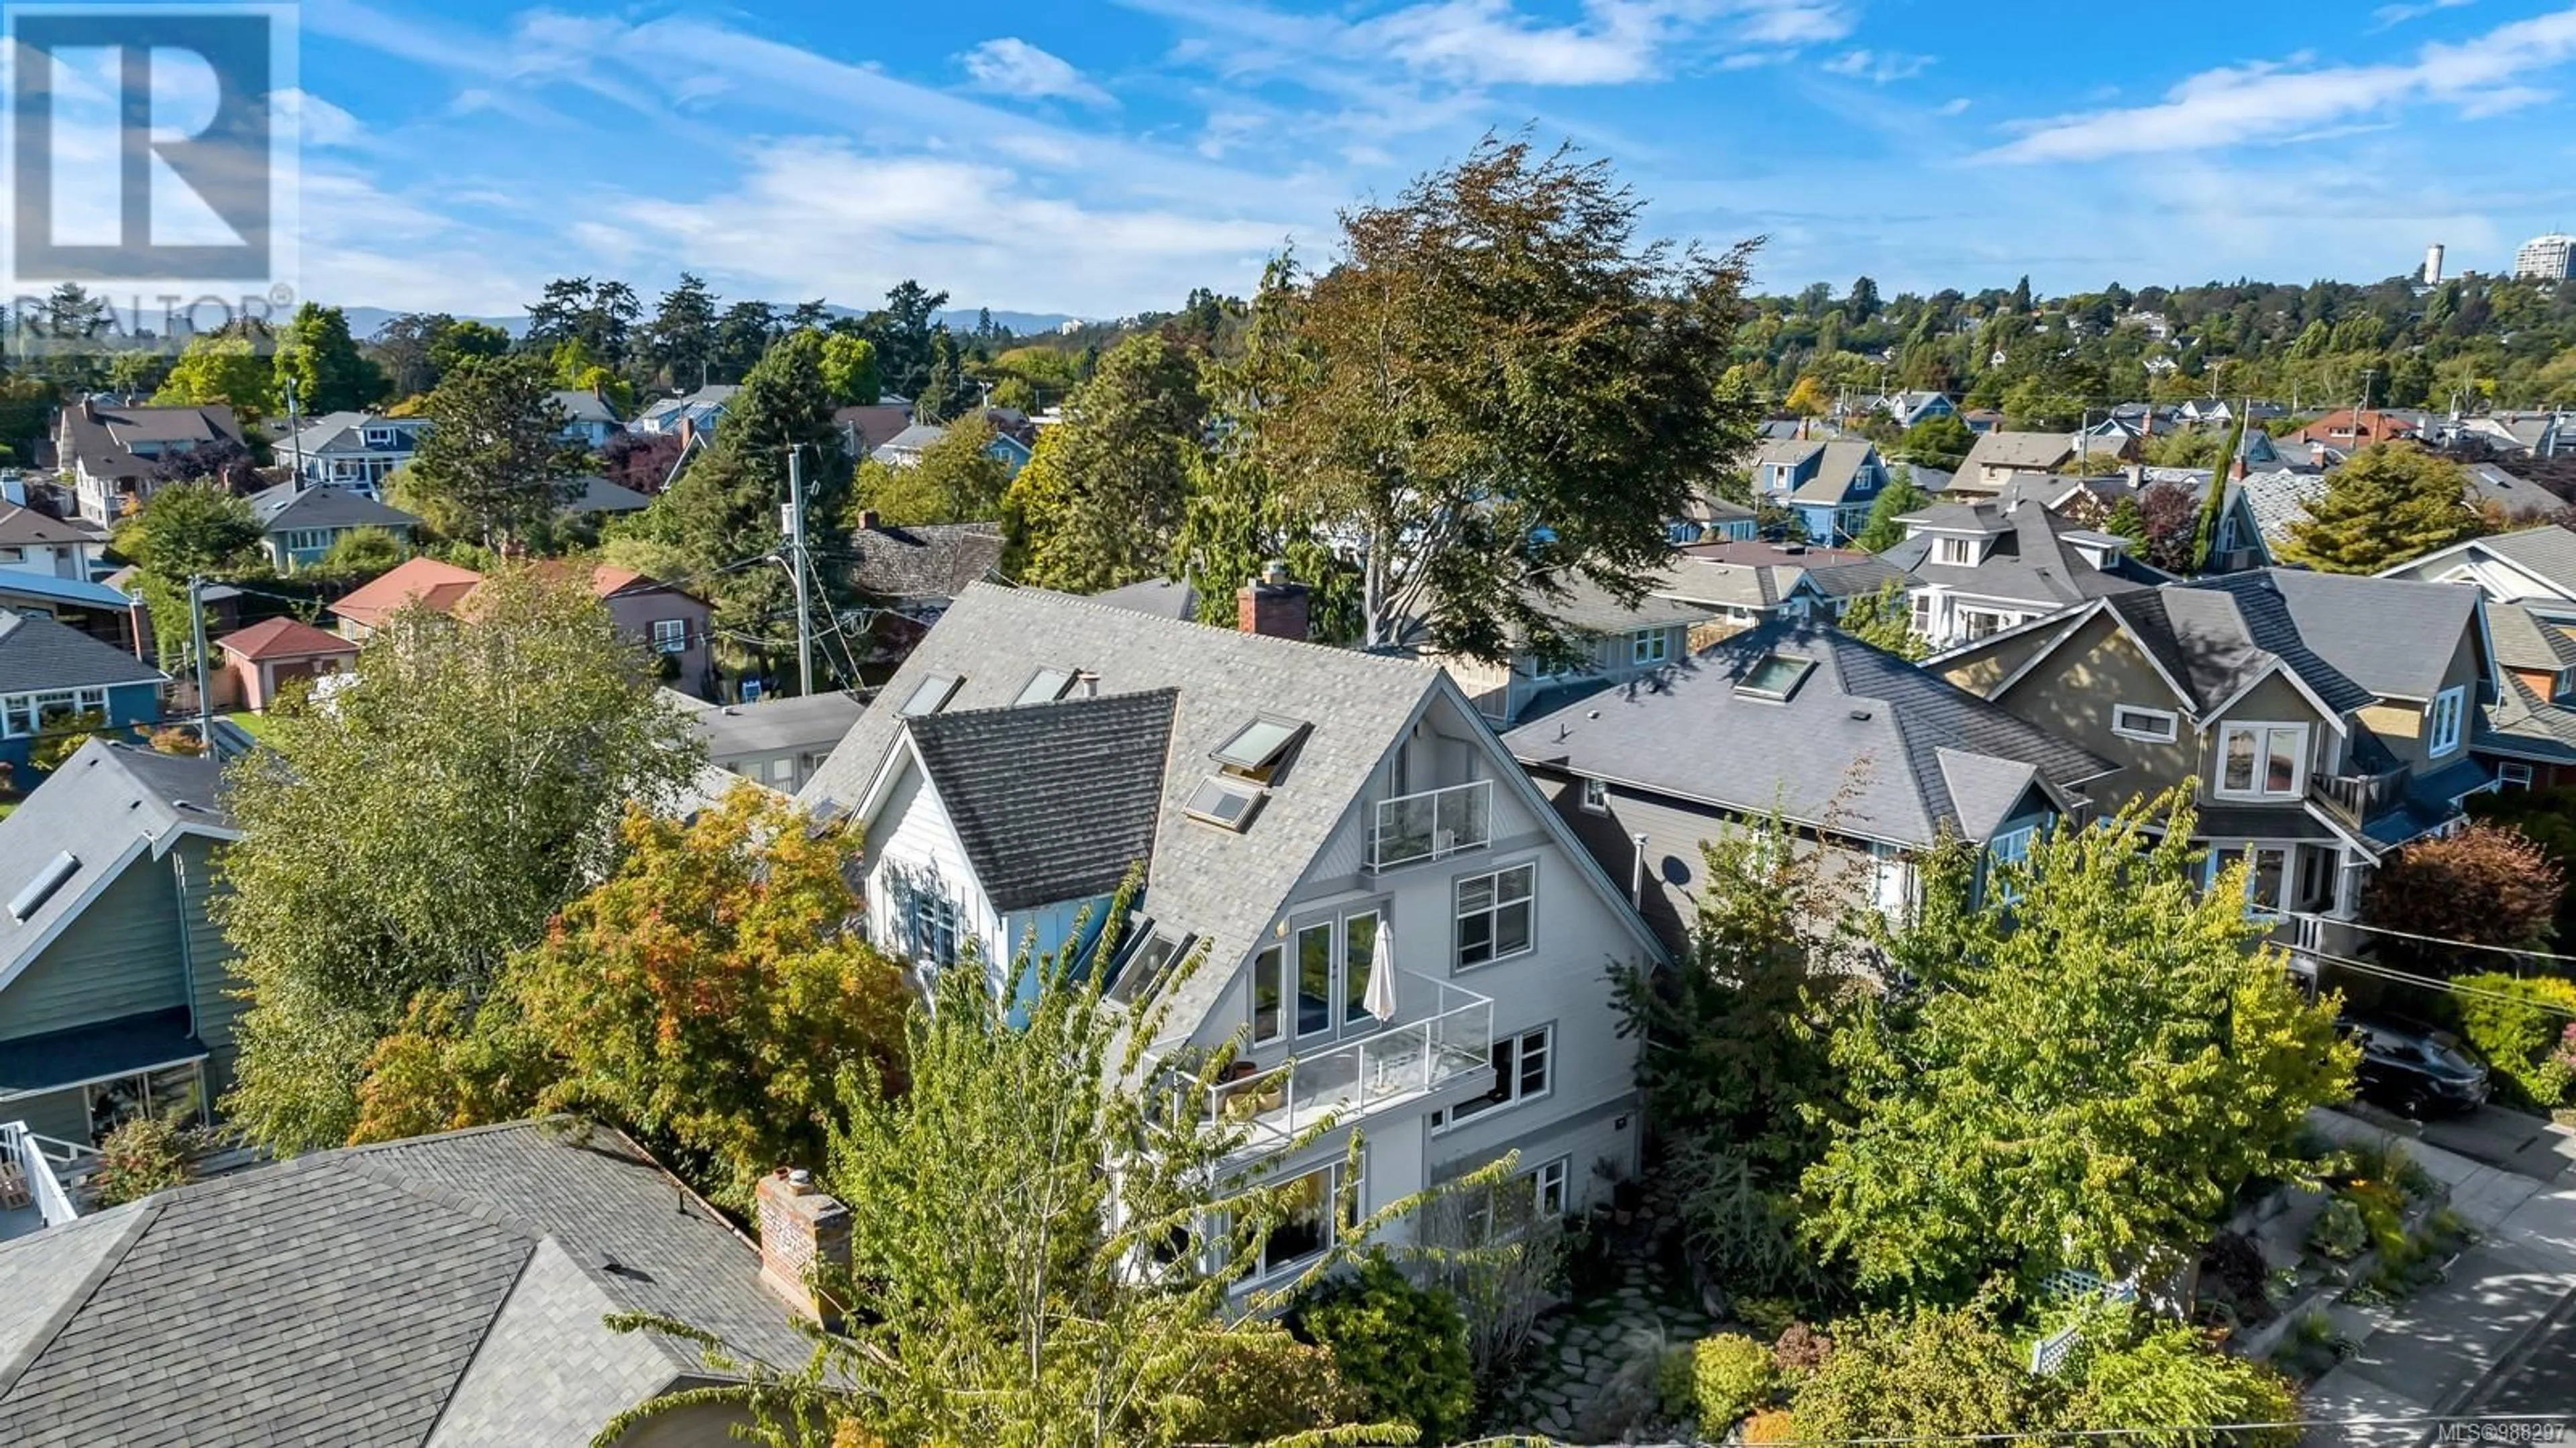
x,y
576,368
724,507
1103,499
437,812
183,531
956,480
2127,521
707,996
850,369
945,391
1808,398
1940,442
226,367
1509,392
1885,620
360,554
316,353
2103,1018
1885,527
1404,1346
457,342
2388,503
1049,1247
680,341
493,467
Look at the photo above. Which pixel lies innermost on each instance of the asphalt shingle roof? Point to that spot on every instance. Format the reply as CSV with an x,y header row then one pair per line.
x,y
790,721
293,505
38,653
442,1289
2525,641
1053,801
2390,638
1867,742
95,807
936,560
2547,553
1224,887
2026,561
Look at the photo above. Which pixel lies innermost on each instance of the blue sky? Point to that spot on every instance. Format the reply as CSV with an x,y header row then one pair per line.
x,y
1101,156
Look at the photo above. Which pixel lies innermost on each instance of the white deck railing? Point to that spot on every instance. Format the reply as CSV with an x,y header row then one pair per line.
x,y
1355,1077
28,1159
1431,825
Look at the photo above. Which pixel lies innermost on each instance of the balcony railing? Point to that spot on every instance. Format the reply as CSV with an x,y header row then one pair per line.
x,y
27,1170
1432,825
1388,1066
2356,797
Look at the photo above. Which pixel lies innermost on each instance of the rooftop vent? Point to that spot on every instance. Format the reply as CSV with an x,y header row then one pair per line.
x,y
41,889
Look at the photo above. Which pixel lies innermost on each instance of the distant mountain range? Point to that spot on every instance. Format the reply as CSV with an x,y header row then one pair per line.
x,y
365,321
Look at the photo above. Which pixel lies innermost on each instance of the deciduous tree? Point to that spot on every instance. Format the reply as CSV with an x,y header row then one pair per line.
x,y
2489,884
317,354
186,530
1510,392
228,367
1885,619
956,480
435,812
850,369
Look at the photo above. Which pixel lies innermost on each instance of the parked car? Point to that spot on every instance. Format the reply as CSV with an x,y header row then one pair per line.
x,y
2413,1068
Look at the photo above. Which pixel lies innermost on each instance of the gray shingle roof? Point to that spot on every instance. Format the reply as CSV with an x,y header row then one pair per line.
x,y
914,438
2522,724
1835,472
794,721
2547,553
2026,562
1224,887
25,525
2523,641
2390,638
1868,742
38,653
1589,608
1056,801
2039,451
1161,597
293,505
444,1289
936,560
582,405
96,807
600,495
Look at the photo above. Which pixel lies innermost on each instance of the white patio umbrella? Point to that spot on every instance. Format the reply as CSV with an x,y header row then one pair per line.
x,y
1380,1001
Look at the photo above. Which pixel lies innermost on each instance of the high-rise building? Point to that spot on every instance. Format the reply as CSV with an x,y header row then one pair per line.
x,y
2548,257
2433,265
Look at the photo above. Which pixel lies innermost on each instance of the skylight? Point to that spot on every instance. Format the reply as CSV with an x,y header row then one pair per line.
x,y
1776,677
1257,747
1228,804
932,695
1045,686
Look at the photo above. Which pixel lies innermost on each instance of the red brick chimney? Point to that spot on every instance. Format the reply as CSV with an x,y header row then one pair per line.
x,y
1272,605
803,1231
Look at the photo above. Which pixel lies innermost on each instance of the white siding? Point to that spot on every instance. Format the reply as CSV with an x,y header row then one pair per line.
x,y
914,837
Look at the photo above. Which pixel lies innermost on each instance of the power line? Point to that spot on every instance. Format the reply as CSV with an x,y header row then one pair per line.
x,y
2432,939
2452,987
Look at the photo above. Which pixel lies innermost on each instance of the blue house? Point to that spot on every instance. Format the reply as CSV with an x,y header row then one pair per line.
x,y
1828,485
51,674
905,448
302,521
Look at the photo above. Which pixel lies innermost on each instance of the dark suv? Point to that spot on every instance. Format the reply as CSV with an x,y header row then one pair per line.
x,y
2411,1067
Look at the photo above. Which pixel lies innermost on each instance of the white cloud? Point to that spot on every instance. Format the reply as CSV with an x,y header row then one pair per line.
x,y
2388,15
1013,67
2264,102
1955,106
1878,66
318,123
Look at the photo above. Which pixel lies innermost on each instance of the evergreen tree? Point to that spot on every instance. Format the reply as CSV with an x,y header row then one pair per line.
x,y
1900,497
492,467
2213,504
1103,499
2126,521
680,341
945,393
2390,502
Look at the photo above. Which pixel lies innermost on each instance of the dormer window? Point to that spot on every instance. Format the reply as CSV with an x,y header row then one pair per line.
x,y
1960,552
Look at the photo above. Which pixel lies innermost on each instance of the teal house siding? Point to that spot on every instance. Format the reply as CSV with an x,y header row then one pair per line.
x,y
209,958
121,957
62,1115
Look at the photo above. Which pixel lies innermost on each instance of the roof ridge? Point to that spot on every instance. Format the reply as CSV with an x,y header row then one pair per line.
x,y
146,1212
1398,661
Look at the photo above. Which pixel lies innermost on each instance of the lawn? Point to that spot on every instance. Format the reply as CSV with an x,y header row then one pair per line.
x,y
254,725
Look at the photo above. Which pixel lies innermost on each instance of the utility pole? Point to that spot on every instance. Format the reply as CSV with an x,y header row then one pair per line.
x,y
796,555
205,697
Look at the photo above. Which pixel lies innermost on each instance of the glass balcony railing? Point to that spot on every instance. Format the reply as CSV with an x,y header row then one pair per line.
x,y
1432,825
1387,1067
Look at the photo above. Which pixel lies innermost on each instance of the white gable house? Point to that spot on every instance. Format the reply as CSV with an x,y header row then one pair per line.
x,y
1399,929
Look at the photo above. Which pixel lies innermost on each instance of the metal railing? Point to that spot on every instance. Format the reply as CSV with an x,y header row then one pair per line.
x,y
1431,825
1355,1077
30,1159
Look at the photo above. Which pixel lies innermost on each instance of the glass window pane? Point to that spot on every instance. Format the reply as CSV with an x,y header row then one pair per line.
x,y
1516,883
2281,775
1268,993
1300,1232
2265,887
1314,979
1475,939
1475,894
1534,1065
1359,944
1512,929
2240,760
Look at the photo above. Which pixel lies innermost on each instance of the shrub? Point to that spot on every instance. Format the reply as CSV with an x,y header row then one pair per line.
x,y
2488,885
1801,1350
1767,1316
1676,1391
177,740
1932,1373
1730,1377
2167,1375
1771,1425
1405,1348
1265,1384
2520,1027
145,1155
59,744
2339,1233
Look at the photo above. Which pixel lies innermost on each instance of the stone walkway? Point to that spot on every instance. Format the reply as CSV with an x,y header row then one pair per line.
x,y
1590,1375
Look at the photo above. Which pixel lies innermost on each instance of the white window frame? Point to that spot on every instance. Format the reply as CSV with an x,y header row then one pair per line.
x,y
2285,881
1955,552
1511,1056
2004,851
2262,732
2159,726
22,716
1265,1269
1549,1181
2443,719
1493,911
1649,646
1596,796
670,635
2513,774
1273,959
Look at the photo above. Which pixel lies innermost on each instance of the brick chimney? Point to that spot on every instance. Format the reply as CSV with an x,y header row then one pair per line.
x,y
867,520
1272,605
803,1230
